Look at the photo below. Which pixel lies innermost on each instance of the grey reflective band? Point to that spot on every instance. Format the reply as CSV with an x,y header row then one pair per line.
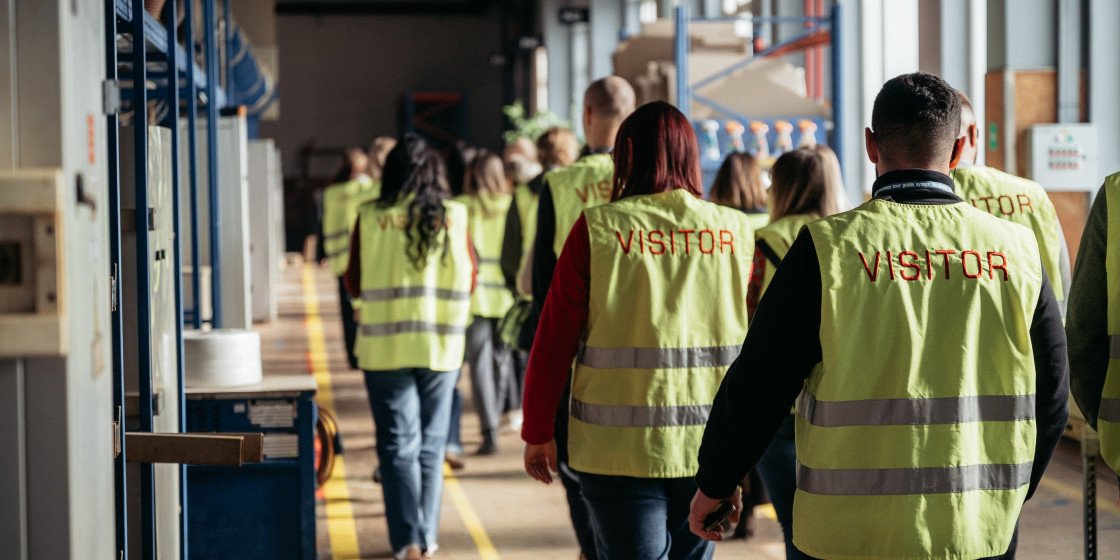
x,y
918,480
1114,347
386,294
652,358
616,416
488,260
492,285
338,252
892,412
1109,410
386,329
335,235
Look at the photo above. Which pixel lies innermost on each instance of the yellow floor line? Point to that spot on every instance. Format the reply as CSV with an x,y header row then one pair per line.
x,y
1073,493
766,511
478,533
341,528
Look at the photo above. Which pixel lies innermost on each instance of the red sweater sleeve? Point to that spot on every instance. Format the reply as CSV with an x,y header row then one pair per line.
x,y
353,276
754,287
558,336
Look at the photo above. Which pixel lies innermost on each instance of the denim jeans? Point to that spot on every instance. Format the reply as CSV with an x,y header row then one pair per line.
x,y
643,518
577,506
410,411
454,424
778,468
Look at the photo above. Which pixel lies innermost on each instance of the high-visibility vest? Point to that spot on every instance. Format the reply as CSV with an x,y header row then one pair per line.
x,y
583,184
758,220
1019,200
667,315
487,218
340,212
413,317
1108,417
526,201
916,432
779,236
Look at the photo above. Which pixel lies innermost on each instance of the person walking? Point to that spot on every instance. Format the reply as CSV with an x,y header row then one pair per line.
x,y
353,187
412,265
738,184
926,338
1093,323
649,302
487,196
1012,198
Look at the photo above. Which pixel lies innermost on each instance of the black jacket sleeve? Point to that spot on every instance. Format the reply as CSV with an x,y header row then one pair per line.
x,y
1048,339
544,257
1087,318
511,248
780,351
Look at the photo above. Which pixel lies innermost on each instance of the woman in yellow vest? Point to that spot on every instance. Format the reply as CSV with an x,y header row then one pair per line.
x,y
412,265
739,185
648,300
487,196
804,187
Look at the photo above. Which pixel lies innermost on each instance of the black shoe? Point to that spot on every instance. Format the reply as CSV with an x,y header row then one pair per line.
x,y
455,461
487,448
377,475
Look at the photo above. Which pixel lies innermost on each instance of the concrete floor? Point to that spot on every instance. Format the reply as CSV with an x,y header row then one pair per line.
x,y
518,518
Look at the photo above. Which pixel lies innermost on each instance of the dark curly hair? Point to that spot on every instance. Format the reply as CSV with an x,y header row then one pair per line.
x,y
916,119
413,169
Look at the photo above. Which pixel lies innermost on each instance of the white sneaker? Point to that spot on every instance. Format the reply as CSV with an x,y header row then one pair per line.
x,y
411,552
514,419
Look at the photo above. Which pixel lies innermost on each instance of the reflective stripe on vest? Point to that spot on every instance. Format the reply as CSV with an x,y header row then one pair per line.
x,y
581,185
413,317
921,480
666,315
340,213
888,412
919,421
488,212
653,358
1108,417
1021,201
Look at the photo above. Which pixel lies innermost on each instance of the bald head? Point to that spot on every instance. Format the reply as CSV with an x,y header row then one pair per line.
x,y
606,103
969,130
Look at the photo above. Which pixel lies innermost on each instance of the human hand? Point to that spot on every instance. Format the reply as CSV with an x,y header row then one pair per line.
x,y
540,461
702,505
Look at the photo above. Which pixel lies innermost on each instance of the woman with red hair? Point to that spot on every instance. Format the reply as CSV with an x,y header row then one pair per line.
x,y
648,300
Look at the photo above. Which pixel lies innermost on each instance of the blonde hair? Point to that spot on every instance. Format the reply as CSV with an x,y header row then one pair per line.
x,y
378,150
738,183
557,147
805,181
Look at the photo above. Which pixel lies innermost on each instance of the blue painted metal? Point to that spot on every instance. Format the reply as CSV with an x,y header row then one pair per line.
x,y
112,164
230,86
680,54
192,167
837,54
143,279
212,159
177,260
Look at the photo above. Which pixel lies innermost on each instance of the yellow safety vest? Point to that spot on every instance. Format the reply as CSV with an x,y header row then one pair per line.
x,y
340,212
758,220
1108,417
413,318
526,201
583,184
916,432
487,218
667,315
779,236
1019,200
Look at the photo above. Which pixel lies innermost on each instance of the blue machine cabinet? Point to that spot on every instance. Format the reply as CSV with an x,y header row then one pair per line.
x,y
264,510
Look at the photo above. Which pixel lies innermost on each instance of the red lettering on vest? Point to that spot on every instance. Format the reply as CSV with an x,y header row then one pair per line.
x,y
600,190
687,245
945,253
909,265
870,274
993,267
1025,202
726,239
890,264
1006,205
929,267
657,242
629,241
964,264
711,241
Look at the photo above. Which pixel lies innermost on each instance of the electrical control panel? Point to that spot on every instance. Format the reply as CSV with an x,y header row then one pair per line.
x,y
1064,156
31,237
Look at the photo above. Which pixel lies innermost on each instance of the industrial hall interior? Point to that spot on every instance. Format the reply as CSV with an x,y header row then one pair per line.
x,y
559,279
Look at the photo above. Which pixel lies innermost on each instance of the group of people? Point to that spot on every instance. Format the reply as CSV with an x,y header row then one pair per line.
x,y
895,375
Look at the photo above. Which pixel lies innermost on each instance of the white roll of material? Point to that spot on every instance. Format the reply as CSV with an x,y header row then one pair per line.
x,y
222,358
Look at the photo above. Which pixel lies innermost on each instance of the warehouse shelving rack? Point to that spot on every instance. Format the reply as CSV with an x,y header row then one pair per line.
x,y
815,29
152,54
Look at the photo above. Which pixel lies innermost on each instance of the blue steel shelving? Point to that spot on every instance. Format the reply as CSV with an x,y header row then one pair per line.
x,y
150,51
813,25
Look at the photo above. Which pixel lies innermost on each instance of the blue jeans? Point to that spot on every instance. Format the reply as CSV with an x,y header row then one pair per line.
x,y
410,411
643,518
778,468
454,425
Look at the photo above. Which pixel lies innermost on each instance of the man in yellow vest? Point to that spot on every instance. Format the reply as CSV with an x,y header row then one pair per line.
x,y
928,351
1093,323
566,193
340,212
1012,198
